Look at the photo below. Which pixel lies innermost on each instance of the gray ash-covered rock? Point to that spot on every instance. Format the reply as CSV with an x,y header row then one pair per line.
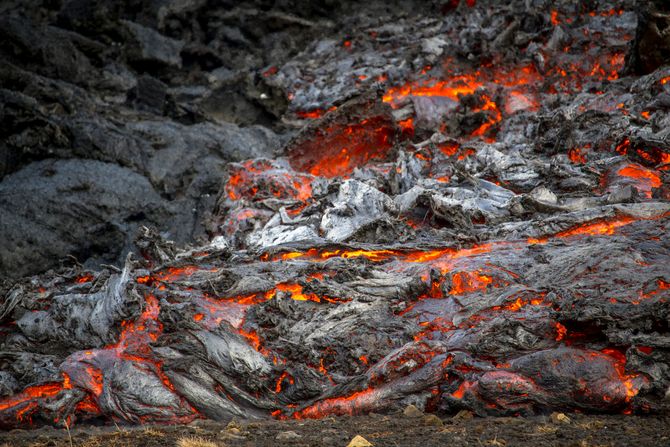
x,y
52,208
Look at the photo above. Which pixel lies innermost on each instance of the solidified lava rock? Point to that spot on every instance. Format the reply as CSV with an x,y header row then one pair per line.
x,y
54,215
651,46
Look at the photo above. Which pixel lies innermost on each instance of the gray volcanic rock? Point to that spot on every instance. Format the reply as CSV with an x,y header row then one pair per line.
x,y
90,209
150,46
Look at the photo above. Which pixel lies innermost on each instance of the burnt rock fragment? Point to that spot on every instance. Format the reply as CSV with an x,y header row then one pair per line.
x,y
48,50
147,46
356,205
149,94
650,48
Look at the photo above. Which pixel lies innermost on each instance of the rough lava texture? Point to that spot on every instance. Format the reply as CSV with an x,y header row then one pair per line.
x,y
469,210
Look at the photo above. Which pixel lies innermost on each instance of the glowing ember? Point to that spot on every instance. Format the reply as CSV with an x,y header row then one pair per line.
x,y
338,149
576,156
645,179
176,273
352,404
84,278
561,331
455,87
24,400
597,228
465,282
520,302
314,114
462,389
449,149
297,294
284,377
263,179
451,89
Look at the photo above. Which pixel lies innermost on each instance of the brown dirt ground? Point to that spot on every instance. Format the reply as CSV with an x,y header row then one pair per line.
x,y
394,430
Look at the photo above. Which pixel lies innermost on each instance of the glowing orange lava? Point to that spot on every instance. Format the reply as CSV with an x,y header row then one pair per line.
x,y
462,388
520,303
337,150
85,278
263,179
646,179
27,397
284,376
176,273
351,404
315,113
576,156
619,363
296,292
561,331
466,282
600,227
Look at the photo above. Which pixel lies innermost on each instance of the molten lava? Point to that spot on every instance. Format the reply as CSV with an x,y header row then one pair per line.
x,y
337,150
353,404
257,180
644,179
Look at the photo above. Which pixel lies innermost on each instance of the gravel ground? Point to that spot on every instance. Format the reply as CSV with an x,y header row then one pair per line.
x,y
379,430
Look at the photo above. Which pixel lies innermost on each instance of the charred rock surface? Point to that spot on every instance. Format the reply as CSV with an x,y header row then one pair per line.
x,y
473,215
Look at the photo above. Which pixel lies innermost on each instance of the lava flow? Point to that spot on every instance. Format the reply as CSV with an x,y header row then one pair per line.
x,y
478,219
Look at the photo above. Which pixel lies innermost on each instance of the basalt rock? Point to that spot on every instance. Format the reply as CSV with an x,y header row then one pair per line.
x,y
651,46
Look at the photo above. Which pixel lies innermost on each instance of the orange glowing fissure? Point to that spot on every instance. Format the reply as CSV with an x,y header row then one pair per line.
x,y
594,228
561,331
462,388
466,282
278,182
576,154
284,376
84,278
646,179
314,113
373,255
176,273
338,406
660,286
342,148
464,84
136,334
520,82
520,303
457,86
295,291
601,227
252,337
619,363
28,396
